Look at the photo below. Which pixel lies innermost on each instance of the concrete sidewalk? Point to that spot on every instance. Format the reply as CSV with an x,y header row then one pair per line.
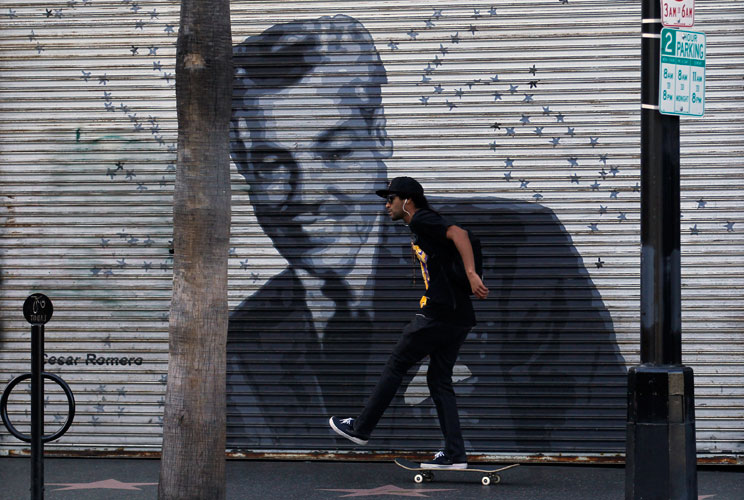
x,y
112,479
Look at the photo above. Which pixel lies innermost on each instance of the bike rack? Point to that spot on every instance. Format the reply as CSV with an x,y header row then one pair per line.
x,y
37,309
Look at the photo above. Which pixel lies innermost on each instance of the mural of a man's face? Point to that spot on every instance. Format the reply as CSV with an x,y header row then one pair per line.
x,y
312,172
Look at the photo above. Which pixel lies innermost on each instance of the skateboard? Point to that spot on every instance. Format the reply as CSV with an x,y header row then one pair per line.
x,y
489,475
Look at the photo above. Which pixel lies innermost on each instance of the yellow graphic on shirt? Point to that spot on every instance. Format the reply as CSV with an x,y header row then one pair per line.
x,y
422,258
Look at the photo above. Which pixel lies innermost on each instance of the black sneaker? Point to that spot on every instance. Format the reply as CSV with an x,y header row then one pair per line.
x,y
442,461
345,428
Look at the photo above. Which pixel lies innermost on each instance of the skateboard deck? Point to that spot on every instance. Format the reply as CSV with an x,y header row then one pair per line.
x,y
489,474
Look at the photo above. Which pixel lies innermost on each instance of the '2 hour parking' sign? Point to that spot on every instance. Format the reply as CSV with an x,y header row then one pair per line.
x,y
682,72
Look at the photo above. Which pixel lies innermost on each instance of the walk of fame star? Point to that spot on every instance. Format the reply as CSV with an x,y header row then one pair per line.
x,y
386,490
106,484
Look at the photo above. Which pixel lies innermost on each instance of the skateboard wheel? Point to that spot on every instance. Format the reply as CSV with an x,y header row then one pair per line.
x,y
486,480
418,478
496,478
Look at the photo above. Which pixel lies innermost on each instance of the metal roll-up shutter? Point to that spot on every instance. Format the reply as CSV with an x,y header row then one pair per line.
x,y
521,120
88,134
481,107
712,243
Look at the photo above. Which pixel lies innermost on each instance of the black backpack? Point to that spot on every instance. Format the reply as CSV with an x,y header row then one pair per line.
x,y
456,269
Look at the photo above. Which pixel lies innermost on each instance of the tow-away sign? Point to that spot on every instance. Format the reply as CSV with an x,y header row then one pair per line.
x,y
678,13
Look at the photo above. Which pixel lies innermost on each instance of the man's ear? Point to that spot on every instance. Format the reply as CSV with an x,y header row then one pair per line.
x,y
239,157
239,153
384,144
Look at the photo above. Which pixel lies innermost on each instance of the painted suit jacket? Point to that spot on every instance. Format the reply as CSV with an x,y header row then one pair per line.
x,y
540,372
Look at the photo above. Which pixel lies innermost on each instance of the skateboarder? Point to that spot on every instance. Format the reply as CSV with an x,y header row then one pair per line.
x,y
437,330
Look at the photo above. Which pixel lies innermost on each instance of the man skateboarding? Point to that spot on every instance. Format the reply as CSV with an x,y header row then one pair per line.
x,y
438,330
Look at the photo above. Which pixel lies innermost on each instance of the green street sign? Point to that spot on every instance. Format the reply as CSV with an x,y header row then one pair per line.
x,y
682,72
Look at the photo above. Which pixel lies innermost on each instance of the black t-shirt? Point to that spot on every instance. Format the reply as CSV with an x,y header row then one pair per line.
x,y
433,251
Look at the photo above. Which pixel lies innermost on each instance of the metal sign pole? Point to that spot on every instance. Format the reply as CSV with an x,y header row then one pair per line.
x,y
660,459
37,309
37,412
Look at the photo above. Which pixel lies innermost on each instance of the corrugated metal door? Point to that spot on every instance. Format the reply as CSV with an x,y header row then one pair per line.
x,y
88,138
521,121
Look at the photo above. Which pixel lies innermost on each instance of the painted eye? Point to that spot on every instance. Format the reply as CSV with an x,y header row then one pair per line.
x,y
338,154
270,162
271,167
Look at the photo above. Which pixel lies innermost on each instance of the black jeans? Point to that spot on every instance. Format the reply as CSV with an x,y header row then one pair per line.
x,y
441,342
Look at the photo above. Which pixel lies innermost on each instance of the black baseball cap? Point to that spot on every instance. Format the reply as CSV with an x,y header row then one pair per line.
x,y
402,186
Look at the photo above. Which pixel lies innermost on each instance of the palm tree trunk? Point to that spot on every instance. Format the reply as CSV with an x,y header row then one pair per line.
x,y
193,457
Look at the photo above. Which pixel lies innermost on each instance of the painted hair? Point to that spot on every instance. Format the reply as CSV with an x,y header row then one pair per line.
x,y
339,49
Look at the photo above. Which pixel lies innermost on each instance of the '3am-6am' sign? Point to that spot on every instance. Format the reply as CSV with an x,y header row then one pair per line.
x,y
677,13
